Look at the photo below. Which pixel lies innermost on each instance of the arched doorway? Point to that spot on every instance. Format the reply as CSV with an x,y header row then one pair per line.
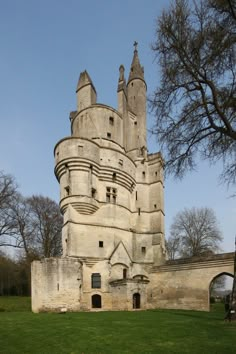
x,y
136,301
96,301
220,286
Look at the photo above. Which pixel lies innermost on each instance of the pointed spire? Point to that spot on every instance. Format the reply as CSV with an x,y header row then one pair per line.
x,y
122,81
84,80
136,71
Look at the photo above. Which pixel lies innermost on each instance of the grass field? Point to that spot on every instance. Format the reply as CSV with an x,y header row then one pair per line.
x,y
159,331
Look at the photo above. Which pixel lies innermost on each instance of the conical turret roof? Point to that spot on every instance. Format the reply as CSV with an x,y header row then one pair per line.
x,y
136,70
84,80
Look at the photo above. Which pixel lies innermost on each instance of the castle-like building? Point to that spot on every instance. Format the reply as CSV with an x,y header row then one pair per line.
x,y
111,196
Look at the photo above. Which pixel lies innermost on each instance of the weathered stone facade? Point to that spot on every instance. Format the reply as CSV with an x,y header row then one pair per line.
x,y
111,196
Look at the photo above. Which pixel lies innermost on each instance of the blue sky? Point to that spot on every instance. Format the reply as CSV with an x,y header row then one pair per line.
x,y
44,46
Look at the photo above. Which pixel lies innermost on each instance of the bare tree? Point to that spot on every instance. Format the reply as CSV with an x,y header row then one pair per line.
x,y
195,102
33,224
46,224
8,192
24,234
195,232
173,245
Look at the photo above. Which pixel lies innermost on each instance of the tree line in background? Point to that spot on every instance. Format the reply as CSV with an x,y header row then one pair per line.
x,y
32,225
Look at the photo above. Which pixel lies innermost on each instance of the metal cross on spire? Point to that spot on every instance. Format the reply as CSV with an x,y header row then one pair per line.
x,y
135,45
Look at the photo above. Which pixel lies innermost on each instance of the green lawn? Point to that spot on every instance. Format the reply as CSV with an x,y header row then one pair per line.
x,y
159,331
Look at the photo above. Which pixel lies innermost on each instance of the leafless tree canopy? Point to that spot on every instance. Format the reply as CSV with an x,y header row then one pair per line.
x,y
33,224
46,223
8,191
195,102
194,232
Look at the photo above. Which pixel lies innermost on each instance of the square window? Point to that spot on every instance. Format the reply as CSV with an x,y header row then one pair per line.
x,y
111,195
100,244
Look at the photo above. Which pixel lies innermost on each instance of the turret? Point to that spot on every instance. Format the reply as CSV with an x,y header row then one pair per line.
x,y
86,93
122,91
136,89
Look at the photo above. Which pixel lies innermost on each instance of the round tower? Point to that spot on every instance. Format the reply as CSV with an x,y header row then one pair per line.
x,y
136,89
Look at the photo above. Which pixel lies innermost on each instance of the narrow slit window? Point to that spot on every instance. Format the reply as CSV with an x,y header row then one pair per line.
x,y
111,120
93,192
108,135
139,211
136,195
114,176
143,249
67,191
124,273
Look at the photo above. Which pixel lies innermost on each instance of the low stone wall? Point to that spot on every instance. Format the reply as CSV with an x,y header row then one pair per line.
x,y
184,283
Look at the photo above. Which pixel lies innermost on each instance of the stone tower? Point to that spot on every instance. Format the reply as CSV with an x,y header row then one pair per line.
x,y
111,196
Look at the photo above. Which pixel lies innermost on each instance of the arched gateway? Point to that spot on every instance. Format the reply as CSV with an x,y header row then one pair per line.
x,y
185,283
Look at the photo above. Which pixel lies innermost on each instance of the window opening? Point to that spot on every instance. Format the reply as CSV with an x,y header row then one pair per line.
x,y
114,176
124,273
155,206
136,195
96,281
143,173
143,249
111,120
100,244
67,191
111,194
93,192
109,135
139,210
